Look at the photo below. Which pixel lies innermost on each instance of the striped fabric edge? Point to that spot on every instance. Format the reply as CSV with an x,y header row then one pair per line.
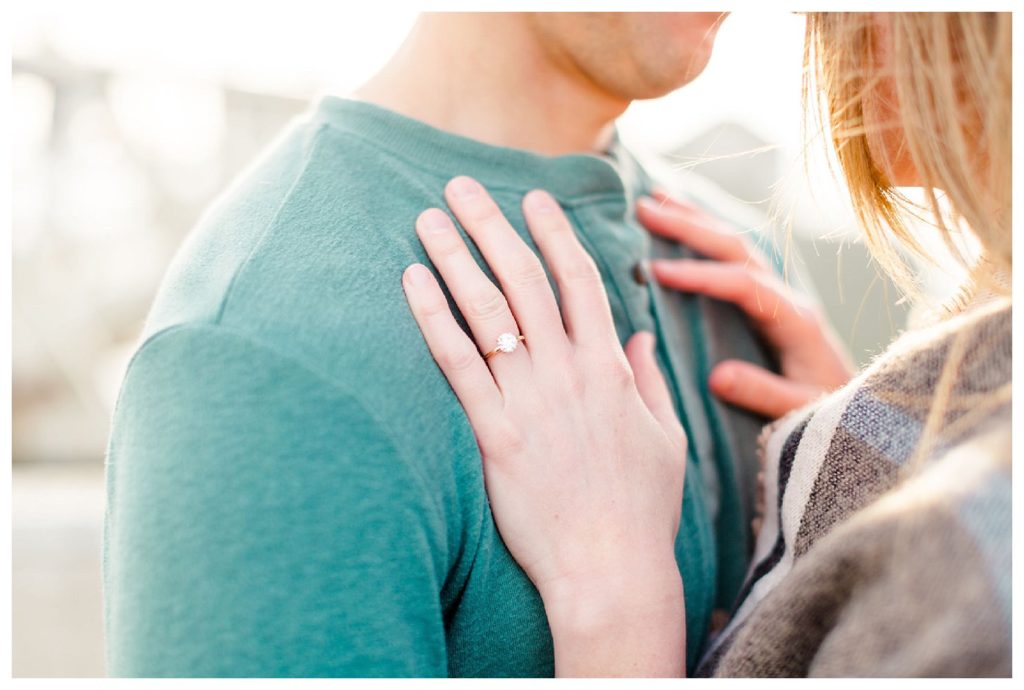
x,y
782,519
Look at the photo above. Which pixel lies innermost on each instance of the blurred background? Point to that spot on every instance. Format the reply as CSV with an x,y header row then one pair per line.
x,y
129,117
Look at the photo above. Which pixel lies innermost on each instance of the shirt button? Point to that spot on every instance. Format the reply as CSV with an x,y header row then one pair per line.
x,y
640,273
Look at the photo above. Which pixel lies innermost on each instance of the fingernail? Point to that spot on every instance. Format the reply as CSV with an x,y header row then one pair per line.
x,y
434,220
723,379
465,187
540,201
417,274
648,203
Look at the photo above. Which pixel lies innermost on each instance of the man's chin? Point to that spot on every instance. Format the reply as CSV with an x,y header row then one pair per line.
x,y
664,82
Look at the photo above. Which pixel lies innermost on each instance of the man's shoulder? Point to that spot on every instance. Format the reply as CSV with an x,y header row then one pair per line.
x,y
315,232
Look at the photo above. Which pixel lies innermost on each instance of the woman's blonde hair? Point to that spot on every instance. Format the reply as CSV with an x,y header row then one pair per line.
x,y
943,81
933,92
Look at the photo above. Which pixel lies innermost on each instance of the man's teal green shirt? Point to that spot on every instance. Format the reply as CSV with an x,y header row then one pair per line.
x,y
293,488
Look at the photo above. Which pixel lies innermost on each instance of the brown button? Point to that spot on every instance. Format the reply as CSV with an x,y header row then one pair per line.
x,y
640,273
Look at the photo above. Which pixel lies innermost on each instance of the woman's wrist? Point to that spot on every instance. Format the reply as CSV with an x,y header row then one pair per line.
x,y
591,600
629,622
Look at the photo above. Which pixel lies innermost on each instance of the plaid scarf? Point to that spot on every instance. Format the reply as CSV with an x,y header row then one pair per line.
x,y
884,548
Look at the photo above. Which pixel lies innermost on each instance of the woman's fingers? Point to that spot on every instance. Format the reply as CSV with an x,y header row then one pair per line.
x,y
749,386
585,309
585,312
698,230
454,352
649,381
517,268
761,295
479,300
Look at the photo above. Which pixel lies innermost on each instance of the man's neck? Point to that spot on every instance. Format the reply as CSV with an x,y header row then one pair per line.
x,y
485,76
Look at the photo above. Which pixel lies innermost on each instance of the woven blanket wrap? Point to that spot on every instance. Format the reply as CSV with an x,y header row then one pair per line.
x,y
884,548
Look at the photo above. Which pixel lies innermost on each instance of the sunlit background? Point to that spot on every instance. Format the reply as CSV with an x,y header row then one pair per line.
x,y
128,117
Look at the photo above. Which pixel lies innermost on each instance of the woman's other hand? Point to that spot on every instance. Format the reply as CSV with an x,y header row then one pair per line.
x,y
583,456
812,359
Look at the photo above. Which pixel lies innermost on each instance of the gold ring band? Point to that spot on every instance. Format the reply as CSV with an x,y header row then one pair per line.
x,y
507,342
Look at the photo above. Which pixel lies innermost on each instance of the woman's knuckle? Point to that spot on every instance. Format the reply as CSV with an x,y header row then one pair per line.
x,y
433,307
459,359
582,270
486,306
507,440
447,245
528,274
610,367
620,375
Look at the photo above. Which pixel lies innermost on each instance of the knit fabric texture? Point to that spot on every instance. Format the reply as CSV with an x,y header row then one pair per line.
x,y
885,546
293,487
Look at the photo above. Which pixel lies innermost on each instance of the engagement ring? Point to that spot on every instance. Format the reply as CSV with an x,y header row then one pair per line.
x,y
507,342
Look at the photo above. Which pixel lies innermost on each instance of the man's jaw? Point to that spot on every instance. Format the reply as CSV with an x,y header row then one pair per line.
x,y
485,76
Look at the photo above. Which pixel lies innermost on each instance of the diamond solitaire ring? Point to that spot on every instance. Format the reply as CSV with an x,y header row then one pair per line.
x,y
507,342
